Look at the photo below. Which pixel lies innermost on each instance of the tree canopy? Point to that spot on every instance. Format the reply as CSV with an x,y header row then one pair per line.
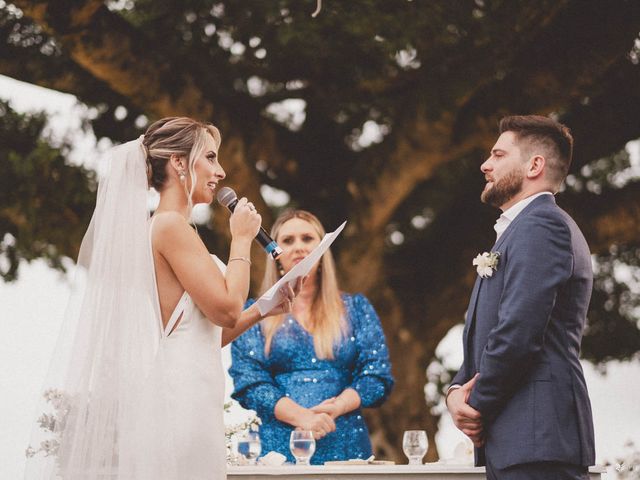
x,y
375,111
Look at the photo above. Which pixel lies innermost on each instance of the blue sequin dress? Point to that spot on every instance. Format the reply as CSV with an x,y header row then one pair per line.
x,y
361,362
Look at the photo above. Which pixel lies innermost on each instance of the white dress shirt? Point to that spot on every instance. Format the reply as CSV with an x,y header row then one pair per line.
x,y
510,214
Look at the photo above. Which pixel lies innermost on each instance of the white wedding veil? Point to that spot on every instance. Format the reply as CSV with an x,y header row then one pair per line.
x,y
88,416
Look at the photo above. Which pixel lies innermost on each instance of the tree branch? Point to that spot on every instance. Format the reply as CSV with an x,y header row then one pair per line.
x,y
108,47
535,85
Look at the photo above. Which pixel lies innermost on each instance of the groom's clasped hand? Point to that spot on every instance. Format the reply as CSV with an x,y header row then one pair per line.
x,y
466,418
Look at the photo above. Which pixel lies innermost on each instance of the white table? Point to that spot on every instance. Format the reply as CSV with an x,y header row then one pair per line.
x,y
432,471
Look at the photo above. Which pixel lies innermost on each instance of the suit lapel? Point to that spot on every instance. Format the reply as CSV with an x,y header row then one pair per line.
x,y
468,325
474,300
541,200
471,312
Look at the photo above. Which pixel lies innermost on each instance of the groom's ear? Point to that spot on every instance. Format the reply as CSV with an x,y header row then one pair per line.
x,y
535,166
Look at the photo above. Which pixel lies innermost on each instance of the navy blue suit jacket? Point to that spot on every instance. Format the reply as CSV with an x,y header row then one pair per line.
x,y
522,334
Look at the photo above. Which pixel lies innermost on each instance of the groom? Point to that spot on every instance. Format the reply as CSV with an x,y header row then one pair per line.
x,y
520,394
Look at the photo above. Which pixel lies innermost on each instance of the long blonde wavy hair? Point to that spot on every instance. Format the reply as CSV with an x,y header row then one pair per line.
x,y
327,320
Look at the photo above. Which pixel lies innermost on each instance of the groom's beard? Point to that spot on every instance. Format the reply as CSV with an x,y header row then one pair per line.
x,y
504,189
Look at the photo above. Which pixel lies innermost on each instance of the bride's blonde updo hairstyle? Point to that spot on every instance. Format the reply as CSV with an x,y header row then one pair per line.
x,y
181,136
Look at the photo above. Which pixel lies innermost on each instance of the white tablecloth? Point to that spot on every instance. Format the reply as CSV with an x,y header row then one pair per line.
x,y
431,471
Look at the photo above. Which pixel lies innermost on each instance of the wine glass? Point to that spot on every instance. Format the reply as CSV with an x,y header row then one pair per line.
x,y
249,446
414,445
302,445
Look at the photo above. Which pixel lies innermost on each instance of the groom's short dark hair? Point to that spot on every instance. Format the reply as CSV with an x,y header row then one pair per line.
x,y
552,138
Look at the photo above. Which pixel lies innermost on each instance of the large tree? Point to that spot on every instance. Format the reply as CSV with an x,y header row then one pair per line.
x,y
430,79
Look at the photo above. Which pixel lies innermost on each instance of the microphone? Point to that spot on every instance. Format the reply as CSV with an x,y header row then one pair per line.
x,y
228,198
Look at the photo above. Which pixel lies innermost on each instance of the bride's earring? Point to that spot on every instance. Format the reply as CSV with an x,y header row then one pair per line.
x,y
182,176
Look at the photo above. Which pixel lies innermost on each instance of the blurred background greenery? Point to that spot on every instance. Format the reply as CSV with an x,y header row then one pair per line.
x,y
376,111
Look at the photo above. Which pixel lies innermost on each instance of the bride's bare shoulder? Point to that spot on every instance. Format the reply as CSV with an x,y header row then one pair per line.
x,y
168,219
171,227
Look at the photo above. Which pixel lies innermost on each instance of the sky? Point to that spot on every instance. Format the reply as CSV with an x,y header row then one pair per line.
x,y
33,306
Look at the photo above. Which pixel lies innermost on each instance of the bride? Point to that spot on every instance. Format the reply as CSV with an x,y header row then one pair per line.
x,y
136,387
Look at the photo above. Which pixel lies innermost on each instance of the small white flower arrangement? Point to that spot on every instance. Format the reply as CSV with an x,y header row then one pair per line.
x,y
486,263
52,423
251,424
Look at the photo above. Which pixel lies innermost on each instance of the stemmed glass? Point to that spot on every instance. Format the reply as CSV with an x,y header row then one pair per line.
x,y
415,445
302,445
249,446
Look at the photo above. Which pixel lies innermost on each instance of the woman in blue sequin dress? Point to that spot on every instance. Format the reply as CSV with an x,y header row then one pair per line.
x,y
316,368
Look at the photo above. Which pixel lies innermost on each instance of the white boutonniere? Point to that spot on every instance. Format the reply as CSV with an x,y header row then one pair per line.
x,y
486,263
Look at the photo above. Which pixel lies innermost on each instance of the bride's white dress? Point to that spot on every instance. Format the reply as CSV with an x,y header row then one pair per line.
x,y
126,399
181,434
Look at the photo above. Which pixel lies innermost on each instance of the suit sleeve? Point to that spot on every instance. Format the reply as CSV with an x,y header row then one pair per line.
x,y
540,262
460,378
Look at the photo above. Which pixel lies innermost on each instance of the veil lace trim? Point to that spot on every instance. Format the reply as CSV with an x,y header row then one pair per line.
x,y
88,423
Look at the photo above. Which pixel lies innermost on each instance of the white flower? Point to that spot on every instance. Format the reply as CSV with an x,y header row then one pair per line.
x,y
53,395
59,400
486,263
232,430
49,447
47,422
52,423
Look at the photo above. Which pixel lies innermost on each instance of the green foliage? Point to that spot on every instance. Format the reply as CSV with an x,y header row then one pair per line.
x,y
614,326
440,71
607,173
45,204
433,76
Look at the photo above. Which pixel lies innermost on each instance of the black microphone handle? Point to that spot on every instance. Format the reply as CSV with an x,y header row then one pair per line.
x,y
263,238
232,205
270,245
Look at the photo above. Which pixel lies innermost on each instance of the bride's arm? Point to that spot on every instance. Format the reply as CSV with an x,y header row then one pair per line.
x,y
248,318
219,297
251,315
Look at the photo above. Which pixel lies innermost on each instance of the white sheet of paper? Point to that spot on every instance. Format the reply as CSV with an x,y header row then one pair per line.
x,y
273,296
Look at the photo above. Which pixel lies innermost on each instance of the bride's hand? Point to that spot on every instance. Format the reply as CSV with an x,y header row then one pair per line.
x,y
244,222
289,294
